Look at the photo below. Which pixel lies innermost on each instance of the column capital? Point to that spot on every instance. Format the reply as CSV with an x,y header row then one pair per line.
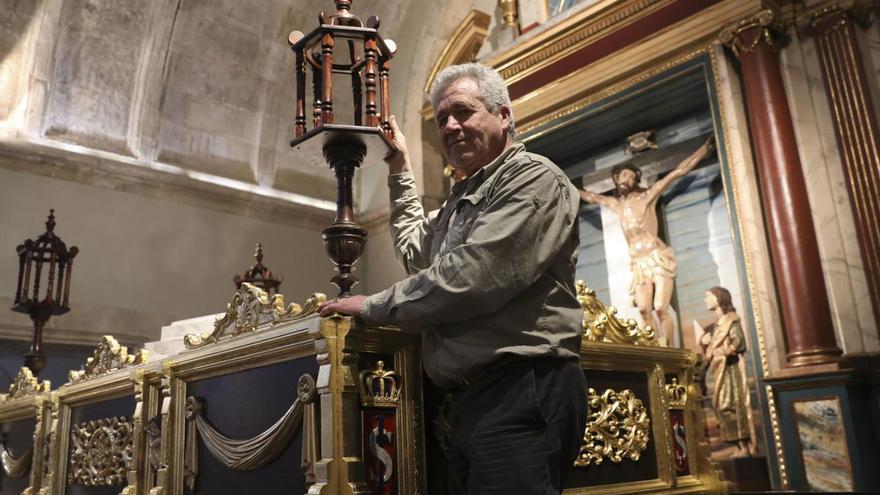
x,y
831,17
745,36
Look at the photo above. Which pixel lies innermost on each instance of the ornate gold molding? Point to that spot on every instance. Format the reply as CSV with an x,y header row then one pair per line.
x,y
251,308
101,452
135,473
51,443
618,427
109,356
161,426
379,387
767,21
603,324
25,384
570,36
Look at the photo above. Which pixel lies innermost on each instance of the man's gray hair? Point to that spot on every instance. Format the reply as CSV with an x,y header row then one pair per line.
x,y
493,90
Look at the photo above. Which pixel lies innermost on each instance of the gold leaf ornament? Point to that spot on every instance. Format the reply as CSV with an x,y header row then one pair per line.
x,y
250,309
618,428
601,323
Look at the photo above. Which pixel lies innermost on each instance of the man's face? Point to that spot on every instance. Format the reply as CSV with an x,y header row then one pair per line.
x,y
711,301
470,135
626,181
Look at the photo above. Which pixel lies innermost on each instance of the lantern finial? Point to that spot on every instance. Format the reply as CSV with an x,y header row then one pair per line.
x,y
44,264
50,222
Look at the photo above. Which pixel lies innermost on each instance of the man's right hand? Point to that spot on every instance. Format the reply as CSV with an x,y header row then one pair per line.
x,y
398,160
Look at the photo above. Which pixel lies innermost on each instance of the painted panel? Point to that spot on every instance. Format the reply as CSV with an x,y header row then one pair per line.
x,y
823,445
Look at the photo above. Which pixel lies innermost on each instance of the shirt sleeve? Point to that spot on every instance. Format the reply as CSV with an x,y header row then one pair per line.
x,y
411,231
512,242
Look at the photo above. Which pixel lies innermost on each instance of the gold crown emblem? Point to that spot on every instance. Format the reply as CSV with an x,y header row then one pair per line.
x,y
676,394
379,387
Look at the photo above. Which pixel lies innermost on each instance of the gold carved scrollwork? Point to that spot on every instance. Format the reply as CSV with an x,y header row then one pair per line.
x,y
109,356
379,387
618,428
602,324
251,308
766,20
25,384
101,452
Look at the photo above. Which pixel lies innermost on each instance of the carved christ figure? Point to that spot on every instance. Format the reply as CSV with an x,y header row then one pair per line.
x,y
652,262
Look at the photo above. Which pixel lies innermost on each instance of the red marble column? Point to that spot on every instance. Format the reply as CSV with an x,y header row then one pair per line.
x,y
793,246
855,124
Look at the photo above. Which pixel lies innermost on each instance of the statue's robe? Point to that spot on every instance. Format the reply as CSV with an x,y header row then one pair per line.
x,y
730,396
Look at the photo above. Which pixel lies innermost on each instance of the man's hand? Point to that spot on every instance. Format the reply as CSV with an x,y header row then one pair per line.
x,y
398,160
347,306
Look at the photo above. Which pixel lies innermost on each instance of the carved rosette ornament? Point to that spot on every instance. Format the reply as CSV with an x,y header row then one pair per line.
x,y
602,324
25,384
745,36
250,309
109,356
618,428
101,452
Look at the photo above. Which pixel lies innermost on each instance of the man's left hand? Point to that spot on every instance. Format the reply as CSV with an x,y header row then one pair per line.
x,y
347,306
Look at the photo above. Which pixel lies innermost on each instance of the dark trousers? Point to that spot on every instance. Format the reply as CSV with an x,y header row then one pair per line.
x,y
519,429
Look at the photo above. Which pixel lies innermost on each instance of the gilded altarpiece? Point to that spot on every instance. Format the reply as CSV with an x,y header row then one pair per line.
x,y
677,104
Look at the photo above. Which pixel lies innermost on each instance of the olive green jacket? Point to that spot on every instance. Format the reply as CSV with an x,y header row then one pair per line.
x,y
492,272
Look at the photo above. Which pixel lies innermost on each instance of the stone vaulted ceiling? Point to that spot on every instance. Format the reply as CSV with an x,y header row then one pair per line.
x,y
195,95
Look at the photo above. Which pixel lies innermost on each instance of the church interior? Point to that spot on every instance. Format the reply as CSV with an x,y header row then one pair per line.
x,y
169,223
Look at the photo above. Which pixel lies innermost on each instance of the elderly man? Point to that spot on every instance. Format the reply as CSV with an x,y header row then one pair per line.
x,y
491,289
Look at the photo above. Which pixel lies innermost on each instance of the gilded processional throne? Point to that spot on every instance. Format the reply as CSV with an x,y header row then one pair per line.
x,y
275,399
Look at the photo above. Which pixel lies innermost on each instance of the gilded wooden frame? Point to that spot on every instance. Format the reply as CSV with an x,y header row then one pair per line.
x,y
37,407
264,347
656,363
126,382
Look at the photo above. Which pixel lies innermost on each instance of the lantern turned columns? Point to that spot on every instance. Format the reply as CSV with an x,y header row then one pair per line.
x,y
793,244
345,239
46,256
343,145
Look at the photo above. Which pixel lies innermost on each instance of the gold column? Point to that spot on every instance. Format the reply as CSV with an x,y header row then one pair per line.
x,y
340,471
854,120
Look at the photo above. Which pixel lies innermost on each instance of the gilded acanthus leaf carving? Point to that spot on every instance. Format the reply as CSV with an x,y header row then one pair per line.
x,y
251,308
618,428
100,453
25,384
602,324
109,356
